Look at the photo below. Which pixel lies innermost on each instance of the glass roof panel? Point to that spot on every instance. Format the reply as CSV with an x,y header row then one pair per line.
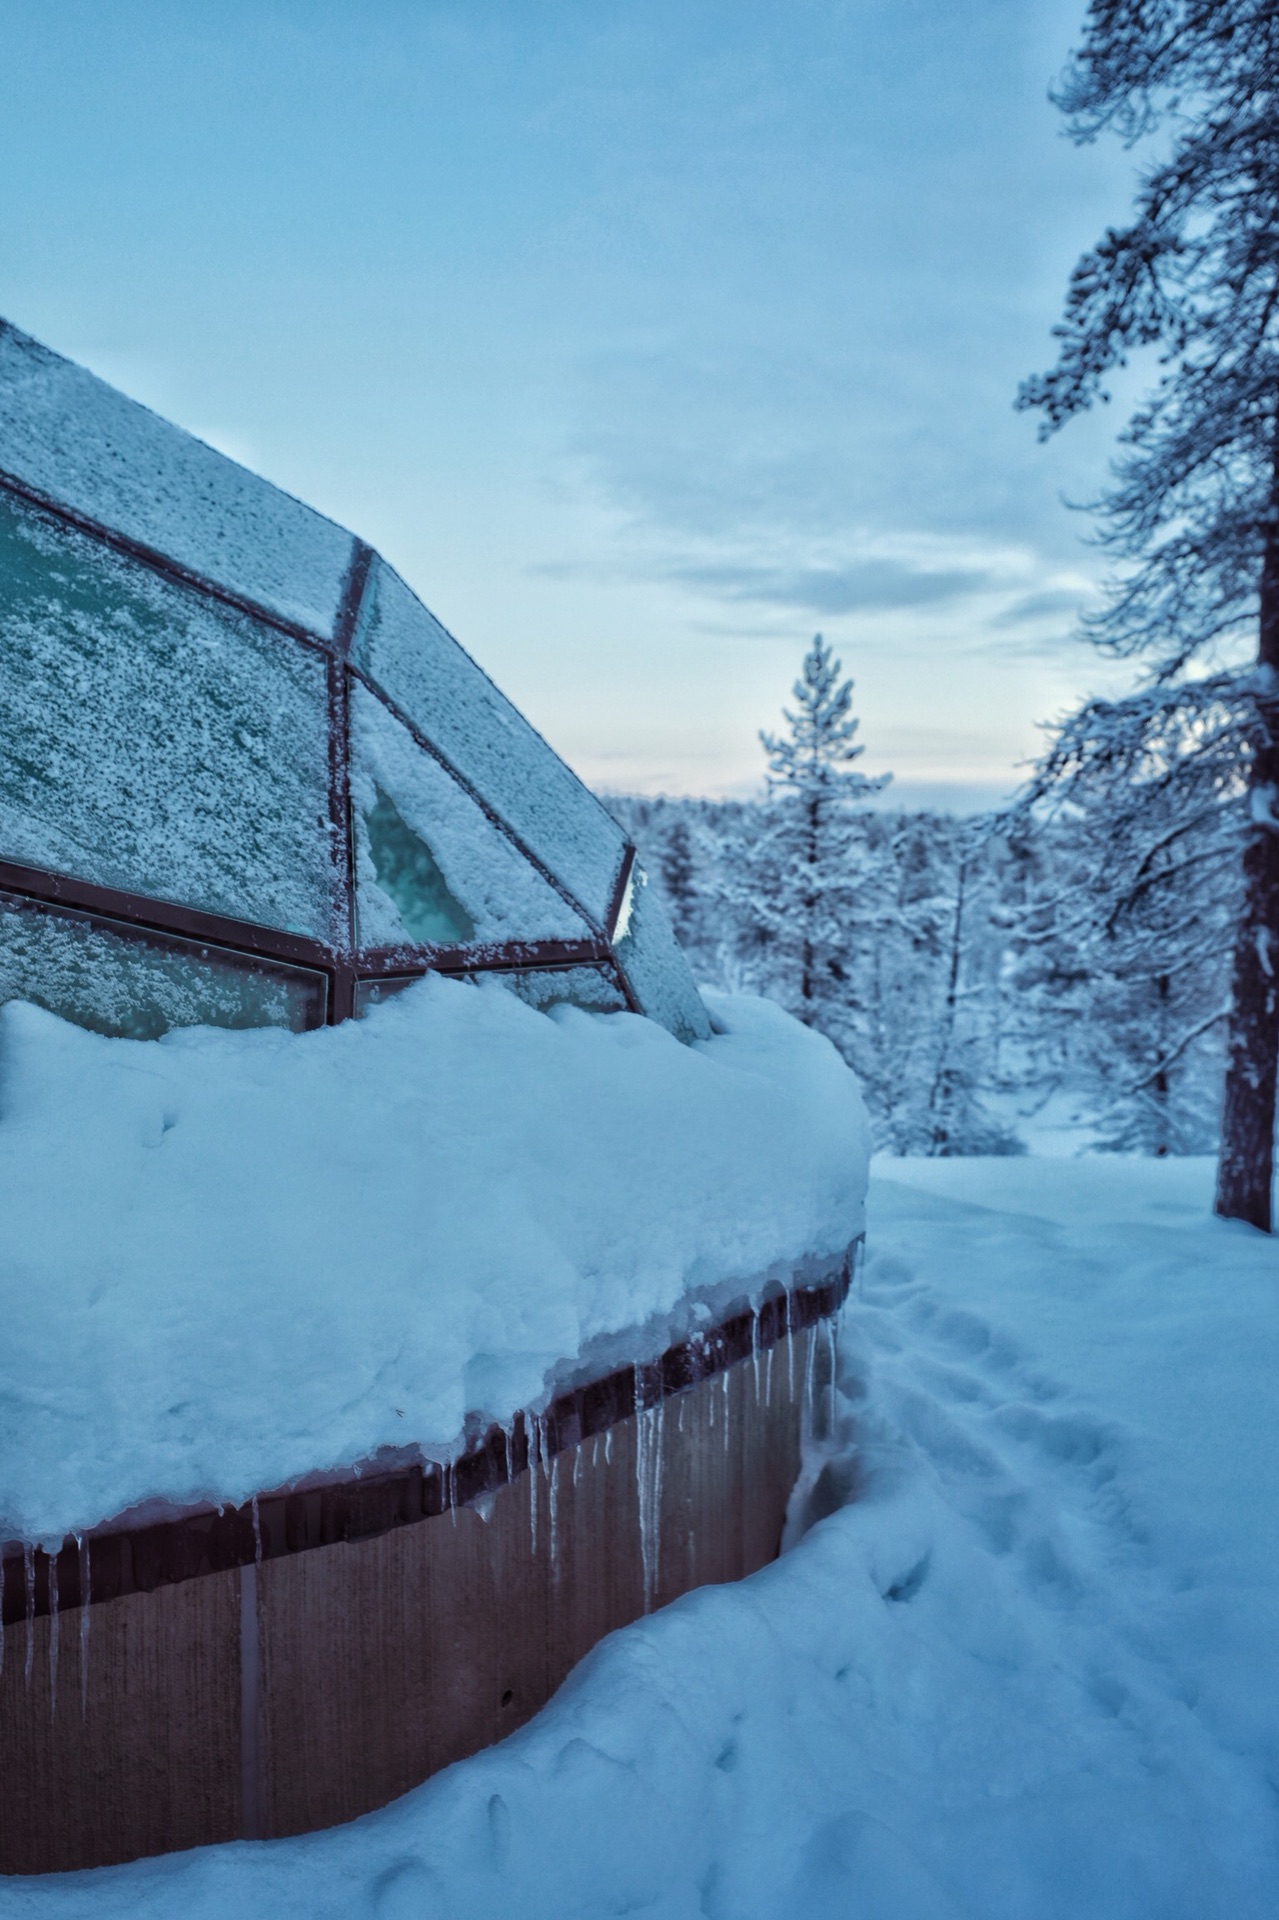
x,y
76,439
594,989
430,866
154,740
431,679
656,970
132,987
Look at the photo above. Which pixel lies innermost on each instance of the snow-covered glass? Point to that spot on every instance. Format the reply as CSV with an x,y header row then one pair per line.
x,y
405,651
431,867
197,673
76,439
118,981
594,989
655,968
155,740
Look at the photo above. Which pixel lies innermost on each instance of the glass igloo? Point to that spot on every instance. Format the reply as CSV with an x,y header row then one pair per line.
x,y
246,778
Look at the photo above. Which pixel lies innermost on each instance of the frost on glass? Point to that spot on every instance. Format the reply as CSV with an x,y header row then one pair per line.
x,y
655,968
430,867
135,988
425,672
78,440
154,740
594,989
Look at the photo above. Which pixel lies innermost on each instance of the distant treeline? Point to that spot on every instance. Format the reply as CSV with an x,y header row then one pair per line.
x,y
978,973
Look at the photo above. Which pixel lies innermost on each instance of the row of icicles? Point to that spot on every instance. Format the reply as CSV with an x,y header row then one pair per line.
x,y
543,1465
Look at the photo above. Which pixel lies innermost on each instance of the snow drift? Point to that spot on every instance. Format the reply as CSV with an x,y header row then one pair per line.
x,y
229,1260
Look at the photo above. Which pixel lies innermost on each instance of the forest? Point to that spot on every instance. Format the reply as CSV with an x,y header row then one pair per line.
x,y
1055,976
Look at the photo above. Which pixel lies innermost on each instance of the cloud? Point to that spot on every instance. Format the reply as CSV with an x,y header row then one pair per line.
x,y
872,585
1041,606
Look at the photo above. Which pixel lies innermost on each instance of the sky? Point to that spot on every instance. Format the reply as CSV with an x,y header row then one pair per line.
x,y
644,339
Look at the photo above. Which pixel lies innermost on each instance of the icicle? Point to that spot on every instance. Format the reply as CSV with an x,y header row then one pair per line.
x,y
577,1465
53,1633
257,1533
806,1405
85,1596
608,1446
680,1417
790,1357
726,1395
755,1353
768,1377
648,1475
534,1465
832,1345
29,1573
450,1480
710,1402
552,1516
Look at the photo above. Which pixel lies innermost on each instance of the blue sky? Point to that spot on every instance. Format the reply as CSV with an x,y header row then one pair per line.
x,y
643,338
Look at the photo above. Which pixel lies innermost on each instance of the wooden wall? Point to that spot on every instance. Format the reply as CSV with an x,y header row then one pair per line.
x,y
311,1688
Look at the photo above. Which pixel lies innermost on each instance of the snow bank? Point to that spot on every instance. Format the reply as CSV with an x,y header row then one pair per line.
x,y
1027,1674
231,1259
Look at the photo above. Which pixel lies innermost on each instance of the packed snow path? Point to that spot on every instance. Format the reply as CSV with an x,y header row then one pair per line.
x,y
1028,1670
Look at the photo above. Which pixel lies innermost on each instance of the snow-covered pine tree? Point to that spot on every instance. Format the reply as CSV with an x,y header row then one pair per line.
x,y
806,867
677,877
1124,940
1192,518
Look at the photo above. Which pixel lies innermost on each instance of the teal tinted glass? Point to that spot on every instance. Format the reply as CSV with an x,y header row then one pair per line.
x,y
409,874
431,867
154,740
134,987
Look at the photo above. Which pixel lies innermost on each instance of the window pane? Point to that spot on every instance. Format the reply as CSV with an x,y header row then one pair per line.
x,y
654,965
444,693
153,740
408,873
371,993
78,440
136,987
429,866
592,988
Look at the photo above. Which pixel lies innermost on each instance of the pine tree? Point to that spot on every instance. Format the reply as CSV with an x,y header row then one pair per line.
x,y
1125,938
810,861
677,878
1192,518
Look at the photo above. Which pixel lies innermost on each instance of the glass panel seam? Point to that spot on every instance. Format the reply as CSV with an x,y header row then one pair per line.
x,y
342,836
161,563
163,916
594,799
481,801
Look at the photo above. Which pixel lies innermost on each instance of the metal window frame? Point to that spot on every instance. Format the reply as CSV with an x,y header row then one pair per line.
x,y
339,959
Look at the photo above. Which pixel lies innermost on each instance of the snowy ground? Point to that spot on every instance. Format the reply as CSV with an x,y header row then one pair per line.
x,y
1029,1671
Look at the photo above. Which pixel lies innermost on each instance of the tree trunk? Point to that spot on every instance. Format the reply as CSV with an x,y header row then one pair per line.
x,y
941,1094
1162,1089
1246,1166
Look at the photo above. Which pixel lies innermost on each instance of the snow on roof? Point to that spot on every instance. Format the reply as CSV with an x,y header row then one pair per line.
x,y
228,1260
164,737
70,436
